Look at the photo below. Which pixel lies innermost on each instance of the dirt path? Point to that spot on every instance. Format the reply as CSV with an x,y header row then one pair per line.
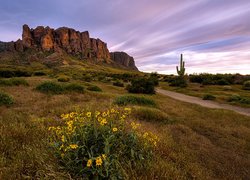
x,y
208,104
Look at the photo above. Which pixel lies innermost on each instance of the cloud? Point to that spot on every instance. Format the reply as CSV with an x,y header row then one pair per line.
x,y
154,32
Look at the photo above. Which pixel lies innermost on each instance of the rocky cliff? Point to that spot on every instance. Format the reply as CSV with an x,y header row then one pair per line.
x,y
67,40
123,59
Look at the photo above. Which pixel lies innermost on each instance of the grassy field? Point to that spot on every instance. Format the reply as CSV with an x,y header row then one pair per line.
x,y
195,142
222,93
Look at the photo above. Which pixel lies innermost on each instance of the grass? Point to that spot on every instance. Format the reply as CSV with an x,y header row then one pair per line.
x,y
94,88
201,143
222,93
134,100
6,99
13,82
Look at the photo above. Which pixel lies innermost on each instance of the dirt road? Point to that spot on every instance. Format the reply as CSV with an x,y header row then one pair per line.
x,y
208,104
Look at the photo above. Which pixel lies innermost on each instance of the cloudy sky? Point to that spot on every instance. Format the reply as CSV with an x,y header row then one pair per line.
x,y
213,35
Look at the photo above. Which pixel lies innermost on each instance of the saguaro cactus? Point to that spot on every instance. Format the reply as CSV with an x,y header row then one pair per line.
x,y
181,71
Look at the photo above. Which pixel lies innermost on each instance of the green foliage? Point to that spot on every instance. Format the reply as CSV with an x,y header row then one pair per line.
x,y
6,99
178,81
151,115
74,87
94,88
8,73
154,78
63,78
222,82
246,85
141,85
181,71
87,77
134,100
101,145
239,99
208,97
118,83
39,73
50,88
13,82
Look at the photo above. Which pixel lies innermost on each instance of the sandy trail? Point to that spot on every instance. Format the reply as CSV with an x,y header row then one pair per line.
x,y
208,104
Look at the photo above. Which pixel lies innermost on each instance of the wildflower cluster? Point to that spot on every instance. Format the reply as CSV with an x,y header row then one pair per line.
x,y
100,143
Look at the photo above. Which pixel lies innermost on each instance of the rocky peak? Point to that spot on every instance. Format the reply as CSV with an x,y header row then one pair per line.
x,y
123,59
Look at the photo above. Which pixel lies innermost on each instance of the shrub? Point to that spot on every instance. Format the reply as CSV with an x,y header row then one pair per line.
x,y
134,100
87,77
13,82
141,85
222,82
6,99
39,73
50,88
154,78
246,85
101,145
208,97
178,82
239,99
94,88
118,83
73,87
63,78
152,115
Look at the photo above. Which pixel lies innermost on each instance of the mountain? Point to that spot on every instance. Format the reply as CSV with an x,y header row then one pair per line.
x,y
64,40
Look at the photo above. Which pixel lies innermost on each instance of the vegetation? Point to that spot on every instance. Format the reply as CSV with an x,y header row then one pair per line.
x,y
141,85
208,97
118,83
50,88
246,85
6,99
94,88
181,70
239,99
13,82
63,78
101,144
74,87
134,100
178,82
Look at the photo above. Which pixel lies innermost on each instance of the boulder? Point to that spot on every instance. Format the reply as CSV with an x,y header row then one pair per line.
x,y
123,59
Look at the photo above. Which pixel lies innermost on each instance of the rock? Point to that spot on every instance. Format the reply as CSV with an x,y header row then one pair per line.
x,y
19,45
27,37
123,59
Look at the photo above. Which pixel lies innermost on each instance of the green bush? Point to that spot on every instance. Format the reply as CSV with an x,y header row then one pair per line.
x,y
39,73
246,85
6,99
101,145
50,88
150,114
178,82
8,73
94,88
73,87
222,82
87,77
239,99
13,82
141,85
118,83
134,100
63,78
208,97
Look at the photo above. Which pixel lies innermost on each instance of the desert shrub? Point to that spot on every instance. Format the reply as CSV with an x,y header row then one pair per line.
x,y
150,114
74,87
87,77
50,88
6,99
118,83
63,78
94,88
154,78
222,82
178,82
39,73
246,85
134,100
8,73
101,145
208,97
13,82
141,85
239,99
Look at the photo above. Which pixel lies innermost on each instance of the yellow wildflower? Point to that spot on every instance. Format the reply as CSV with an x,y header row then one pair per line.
x,y
104,156
104,114
63,138
73,146
97,113
98,161
103,122
112,110
145,134
115,129
127,109
99,119
88,114
89,163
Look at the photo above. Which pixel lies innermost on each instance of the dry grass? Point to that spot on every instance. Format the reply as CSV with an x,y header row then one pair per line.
x,y
201,143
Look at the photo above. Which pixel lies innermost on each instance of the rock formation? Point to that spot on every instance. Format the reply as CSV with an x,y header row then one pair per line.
x,y
68,40
124,59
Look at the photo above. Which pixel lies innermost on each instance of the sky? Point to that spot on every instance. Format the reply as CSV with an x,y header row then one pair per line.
x,y
212,35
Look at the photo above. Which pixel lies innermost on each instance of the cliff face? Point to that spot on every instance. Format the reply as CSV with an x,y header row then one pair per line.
x,y
68,40
123,59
